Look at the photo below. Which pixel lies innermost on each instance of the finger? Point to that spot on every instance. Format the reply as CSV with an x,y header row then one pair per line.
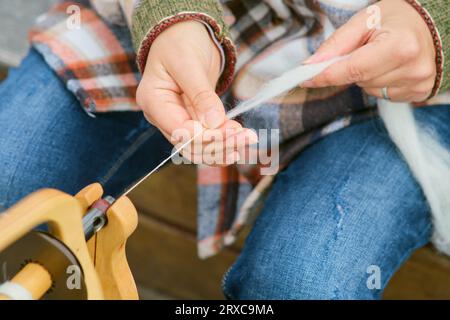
x,y
209,136
238,141
231,143
353,34
192,129
234,142
190,109
231,158
230,134
192,78
406,76
231,125
229,128
217,159
226,159
212,159
393,78
368,62
218,137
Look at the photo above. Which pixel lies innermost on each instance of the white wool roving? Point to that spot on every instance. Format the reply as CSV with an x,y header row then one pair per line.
x,y
427,159
282,84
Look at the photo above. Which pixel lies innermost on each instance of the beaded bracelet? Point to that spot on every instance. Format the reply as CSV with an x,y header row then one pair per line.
x,y
436,41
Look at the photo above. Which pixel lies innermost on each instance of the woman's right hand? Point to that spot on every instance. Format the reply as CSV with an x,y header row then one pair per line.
x,y
177,94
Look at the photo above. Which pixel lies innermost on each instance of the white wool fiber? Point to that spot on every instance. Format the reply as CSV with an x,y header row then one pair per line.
x,y
281,85
428,160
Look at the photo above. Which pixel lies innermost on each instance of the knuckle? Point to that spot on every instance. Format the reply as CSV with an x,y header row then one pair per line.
x,y
423,73
326,78
422,90
418,97
354,73
332,41
408,51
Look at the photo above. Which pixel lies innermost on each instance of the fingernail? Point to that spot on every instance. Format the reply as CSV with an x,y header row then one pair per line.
x,y
213,118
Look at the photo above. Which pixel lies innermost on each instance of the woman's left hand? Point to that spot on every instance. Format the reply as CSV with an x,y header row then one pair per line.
x,y
398,55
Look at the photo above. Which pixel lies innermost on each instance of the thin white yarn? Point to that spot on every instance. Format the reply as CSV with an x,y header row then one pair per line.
x,y
15,291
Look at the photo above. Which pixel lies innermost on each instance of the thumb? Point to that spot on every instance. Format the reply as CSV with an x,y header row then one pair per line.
x,y
350,36
200,91
207,106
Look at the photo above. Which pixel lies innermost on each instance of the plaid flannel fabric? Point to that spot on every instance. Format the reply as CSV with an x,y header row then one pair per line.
x,y
97,64
94,59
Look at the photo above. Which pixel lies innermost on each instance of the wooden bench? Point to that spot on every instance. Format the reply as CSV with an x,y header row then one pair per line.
x,y
162,252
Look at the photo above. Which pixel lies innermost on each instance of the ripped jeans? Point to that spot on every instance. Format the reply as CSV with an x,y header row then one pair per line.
x,y
338,222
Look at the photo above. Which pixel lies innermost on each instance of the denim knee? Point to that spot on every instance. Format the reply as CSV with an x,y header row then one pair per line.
x,y
304,280
344,209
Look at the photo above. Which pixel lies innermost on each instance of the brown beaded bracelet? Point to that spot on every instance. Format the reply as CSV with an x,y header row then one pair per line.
x,y
437,44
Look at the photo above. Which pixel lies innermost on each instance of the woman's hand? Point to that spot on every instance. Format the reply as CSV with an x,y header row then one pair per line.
x,y
177,94
399,55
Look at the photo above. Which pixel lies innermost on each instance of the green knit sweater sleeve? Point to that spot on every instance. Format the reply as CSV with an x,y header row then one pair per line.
x,y
151,17
437,15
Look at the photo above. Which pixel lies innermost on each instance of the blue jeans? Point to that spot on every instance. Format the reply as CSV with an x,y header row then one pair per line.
x,y
345,211
47,140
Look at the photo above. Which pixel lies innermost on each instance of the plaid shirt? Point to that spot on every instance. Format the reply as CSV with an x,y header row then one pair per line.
x,y
97,62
